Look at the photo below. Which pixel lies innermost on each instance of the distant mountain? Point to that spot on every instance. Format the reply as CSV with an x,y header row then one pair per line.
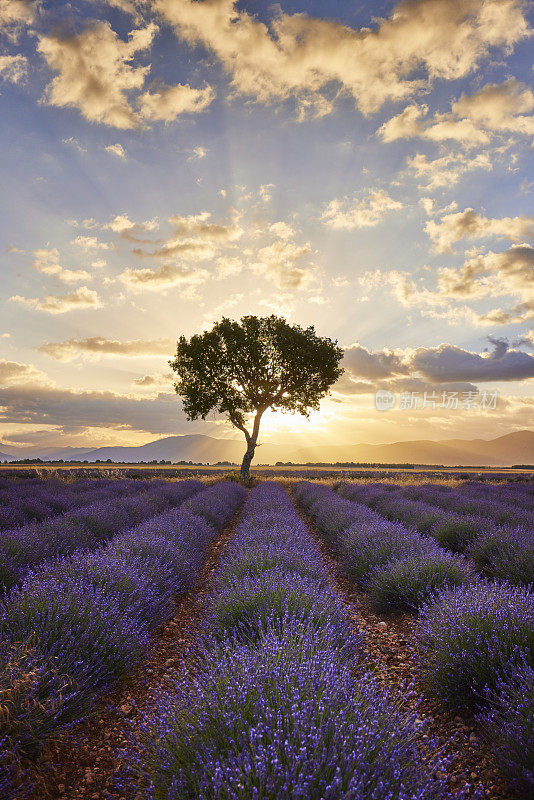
x,y
192,447
513,448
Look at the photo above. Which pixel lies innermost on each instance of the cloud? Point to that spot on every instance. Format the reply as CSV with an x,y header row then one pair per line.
x,y
525,340
352,386
468,224
199,225
480,276
473,119
192,249
13,68
509,272
450,363
95,346
12,372
155,380
87,243
280,263
300,57
195,237
127,229
499,107
168,102
353,213
521,312
35,404
47,262
95,73
411,123
127,6
164,277
198,153
444,365
116,150
29,397
59,304
445,170
363,363
229,265
71,140
15,15
428,204
282,230
265,192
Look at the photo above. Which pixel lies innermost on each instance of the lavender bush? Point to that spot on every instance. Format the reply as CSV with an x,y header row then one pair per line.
x,y
457,533
499,552
277,723
470,636
285,711
364,548
34,696
407,583
392,505
509,728
244,608
505,555
94,611
496,504
32,500
23,548
399,568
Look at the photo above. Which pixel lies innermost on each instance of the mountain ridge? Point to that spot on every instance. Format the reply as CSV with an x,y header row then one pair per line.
x,y
516,447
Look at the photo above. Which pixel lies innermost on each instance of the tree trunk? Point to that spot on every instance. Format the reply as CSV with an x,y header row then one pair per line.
x,y
247,460
251,444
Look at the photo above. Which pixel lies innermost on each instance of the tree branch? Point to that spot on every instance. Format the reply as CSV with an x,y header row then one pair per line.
x,y
240,426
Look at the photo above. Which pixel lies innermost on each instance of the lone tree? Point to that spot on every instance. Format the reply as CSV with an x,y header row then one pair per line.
x,y
243,368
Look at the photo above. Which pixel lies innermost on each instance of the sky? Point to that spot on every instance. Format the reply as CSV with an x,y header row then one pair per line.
x,y
366,168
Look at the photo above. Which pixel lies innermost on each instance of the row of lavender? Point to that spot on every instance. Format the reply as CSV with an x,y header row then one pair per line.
x,y
78,624
397,566
277,702
522,492
475,641
33,500
515,510
24,548
498,551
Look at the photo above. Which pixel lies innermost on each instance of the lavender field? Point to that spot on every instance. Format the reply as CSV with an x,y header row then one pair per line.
x,y
331,640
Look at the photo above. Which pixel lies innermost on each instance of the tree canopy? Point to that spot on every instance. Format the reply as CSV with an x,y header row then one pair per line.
x,y
243,368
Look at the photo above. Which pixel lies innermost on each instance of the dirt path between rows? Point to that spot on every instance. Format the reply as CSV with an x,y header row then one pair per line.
x,y
82,763
388,642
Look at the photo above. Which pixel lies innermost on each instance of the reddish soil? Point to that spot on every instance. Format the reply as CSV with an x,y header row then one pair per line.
x,y
82,763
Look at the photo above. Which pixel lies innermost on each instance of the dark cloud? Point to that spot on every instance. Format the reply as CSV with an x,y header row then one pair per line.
x,y
444,365
450,363
31,403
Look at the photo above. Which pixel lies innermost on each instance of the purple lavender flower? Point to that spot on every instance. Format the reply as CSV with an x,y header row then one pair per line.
x,y
283,721
471,636
509,727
